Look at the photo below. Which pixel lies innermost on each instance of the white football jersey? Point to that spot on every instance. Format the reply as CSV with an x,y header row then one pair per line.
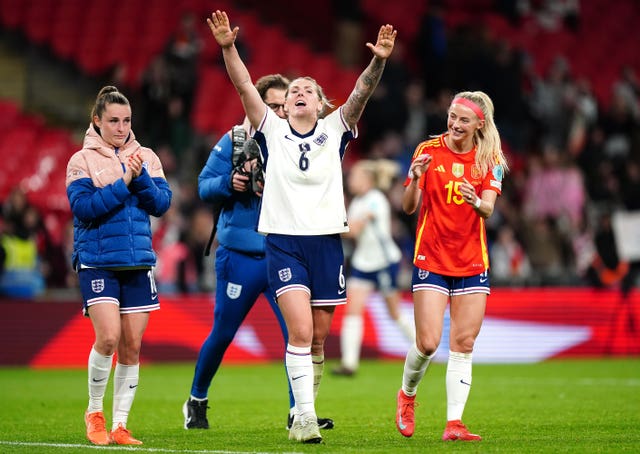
x,y
303,193
375,248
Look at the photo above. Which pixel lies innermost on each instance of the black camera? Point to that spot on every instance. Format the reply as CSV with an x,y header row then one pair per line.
x,y
248,151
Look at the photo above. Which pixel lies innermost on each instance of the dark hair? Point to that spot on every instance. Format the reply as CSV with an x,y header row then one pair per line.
x,y
277,81
107,95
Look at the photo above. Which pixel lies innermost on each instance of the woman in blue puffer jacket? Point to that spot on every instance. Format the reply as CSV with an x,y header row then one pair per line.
x,y
114,185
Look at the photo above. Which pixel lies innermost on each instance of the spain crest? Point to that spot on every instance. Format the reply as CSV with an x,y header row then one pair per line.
x,y
476,173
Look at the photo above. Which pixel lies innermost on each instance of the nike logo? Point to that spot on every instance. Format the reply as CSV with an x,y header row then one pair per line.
x,y
135,386
401,425
464,382
286,136
483,280
98,172
98,380
295,378
340,292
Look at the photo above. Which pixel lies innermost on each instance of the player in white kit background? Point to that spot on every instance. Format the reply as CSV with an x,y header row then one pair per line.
x,y
375,262
303,210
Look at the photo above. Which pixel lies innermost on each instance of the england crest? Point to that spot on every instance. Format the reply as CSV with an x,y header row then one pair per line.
x,y
321,139
97,285
233,290
422,274
284,274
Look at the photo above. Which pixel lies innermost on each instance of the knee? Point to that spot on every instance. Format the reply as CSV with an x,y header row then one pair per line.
x,y
220,336
463,343
300,335
427,344
317,347
107,343
129,352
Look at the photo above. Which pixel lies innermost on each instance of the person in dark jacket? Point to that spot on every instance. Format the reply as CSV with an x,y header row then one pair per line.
x,y
114,185
241,272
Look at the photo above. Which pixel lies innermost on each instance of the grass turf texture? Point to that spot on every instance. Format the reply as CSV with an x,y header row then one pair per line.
x,y
556,406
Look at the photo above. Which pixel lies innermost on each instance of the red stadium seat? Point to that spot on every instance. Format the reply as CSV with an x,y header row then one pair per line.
x,y
12,14
37,21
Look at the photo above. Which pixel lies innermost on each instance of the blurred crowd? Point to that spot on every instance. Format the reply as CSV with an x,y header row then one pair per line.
x,y
574,159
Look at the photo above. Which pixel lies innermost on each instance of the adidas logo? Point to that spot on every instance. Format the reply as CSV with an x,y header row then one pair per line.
x,y
440,168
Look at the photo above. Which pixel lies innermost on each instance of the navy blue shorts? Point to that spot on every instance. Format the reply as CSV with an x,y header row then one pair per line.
x,y
385,280
314,264
448,285
132,290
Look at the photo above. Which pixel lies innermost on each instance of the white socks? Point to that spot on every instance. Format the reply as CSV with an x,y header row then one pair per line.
x,y
125,384
301,377
458,383
415,366
407,327
99,369
318,368
351,340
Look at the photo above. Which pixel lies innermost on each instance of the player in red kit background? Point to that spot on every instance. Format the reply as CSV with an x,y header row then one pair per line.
x,y
455,179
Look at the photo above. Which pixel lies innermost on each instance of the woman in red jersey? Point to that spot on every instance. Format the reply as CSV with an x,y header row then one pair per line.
x,y
455,179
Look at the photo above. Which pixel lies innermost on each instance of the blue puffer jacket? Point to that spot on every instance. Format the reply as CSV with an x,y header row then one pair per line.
x,y
110,219
238,222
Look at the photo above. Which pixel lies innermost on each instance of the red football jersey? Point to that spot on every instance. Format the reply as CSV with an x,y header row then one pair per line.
x,y
450,237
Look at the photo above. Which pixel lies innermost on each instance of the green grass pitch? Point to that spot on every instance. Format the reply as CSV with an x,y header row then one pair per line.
x,y
576,406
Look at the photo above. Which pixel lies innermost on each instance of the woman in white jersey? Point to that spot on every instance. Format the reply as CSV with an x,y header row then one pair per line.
x,y
376,258
303,210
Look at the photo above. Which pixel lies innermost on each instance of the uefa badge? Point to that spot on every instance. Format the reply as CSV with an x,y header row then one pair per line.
x,y
284,274
233,290
97,285
422,274
457,169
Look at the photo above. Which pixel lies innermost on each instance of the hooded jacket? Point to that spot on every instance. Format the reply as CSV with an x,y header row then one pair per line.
x,y
111,223
238,222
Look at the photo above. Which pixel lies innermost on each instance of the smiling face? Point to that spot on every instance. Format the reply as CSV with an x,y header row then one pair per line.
x,y
114,124
303,99
462,123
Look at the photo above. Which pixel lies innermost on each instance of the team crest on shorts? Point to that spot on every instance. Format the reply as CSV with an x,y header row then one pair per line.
x,y
97,285
422,274
233,290
284,274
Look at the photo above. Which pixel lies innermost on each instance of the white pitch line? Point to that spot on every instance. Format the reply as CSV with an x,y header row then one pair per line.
x,y
129,448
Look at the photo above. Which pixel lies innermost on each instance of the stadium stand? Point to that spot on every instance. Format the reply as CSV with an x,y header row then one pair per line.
x,y
277,37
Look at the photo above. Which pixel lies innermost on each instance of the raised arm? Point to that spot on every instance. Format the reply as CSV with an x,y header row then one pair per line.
x,y
221,30
368,80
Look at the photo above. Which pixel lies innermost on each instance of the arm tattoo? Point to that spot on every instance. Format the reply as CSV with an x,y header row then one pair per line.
x,y
365,85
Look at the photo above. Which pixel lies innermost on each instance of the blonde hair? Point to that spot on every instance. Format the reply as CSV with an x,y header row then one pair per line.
x,y
326,104
486,139
382,171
